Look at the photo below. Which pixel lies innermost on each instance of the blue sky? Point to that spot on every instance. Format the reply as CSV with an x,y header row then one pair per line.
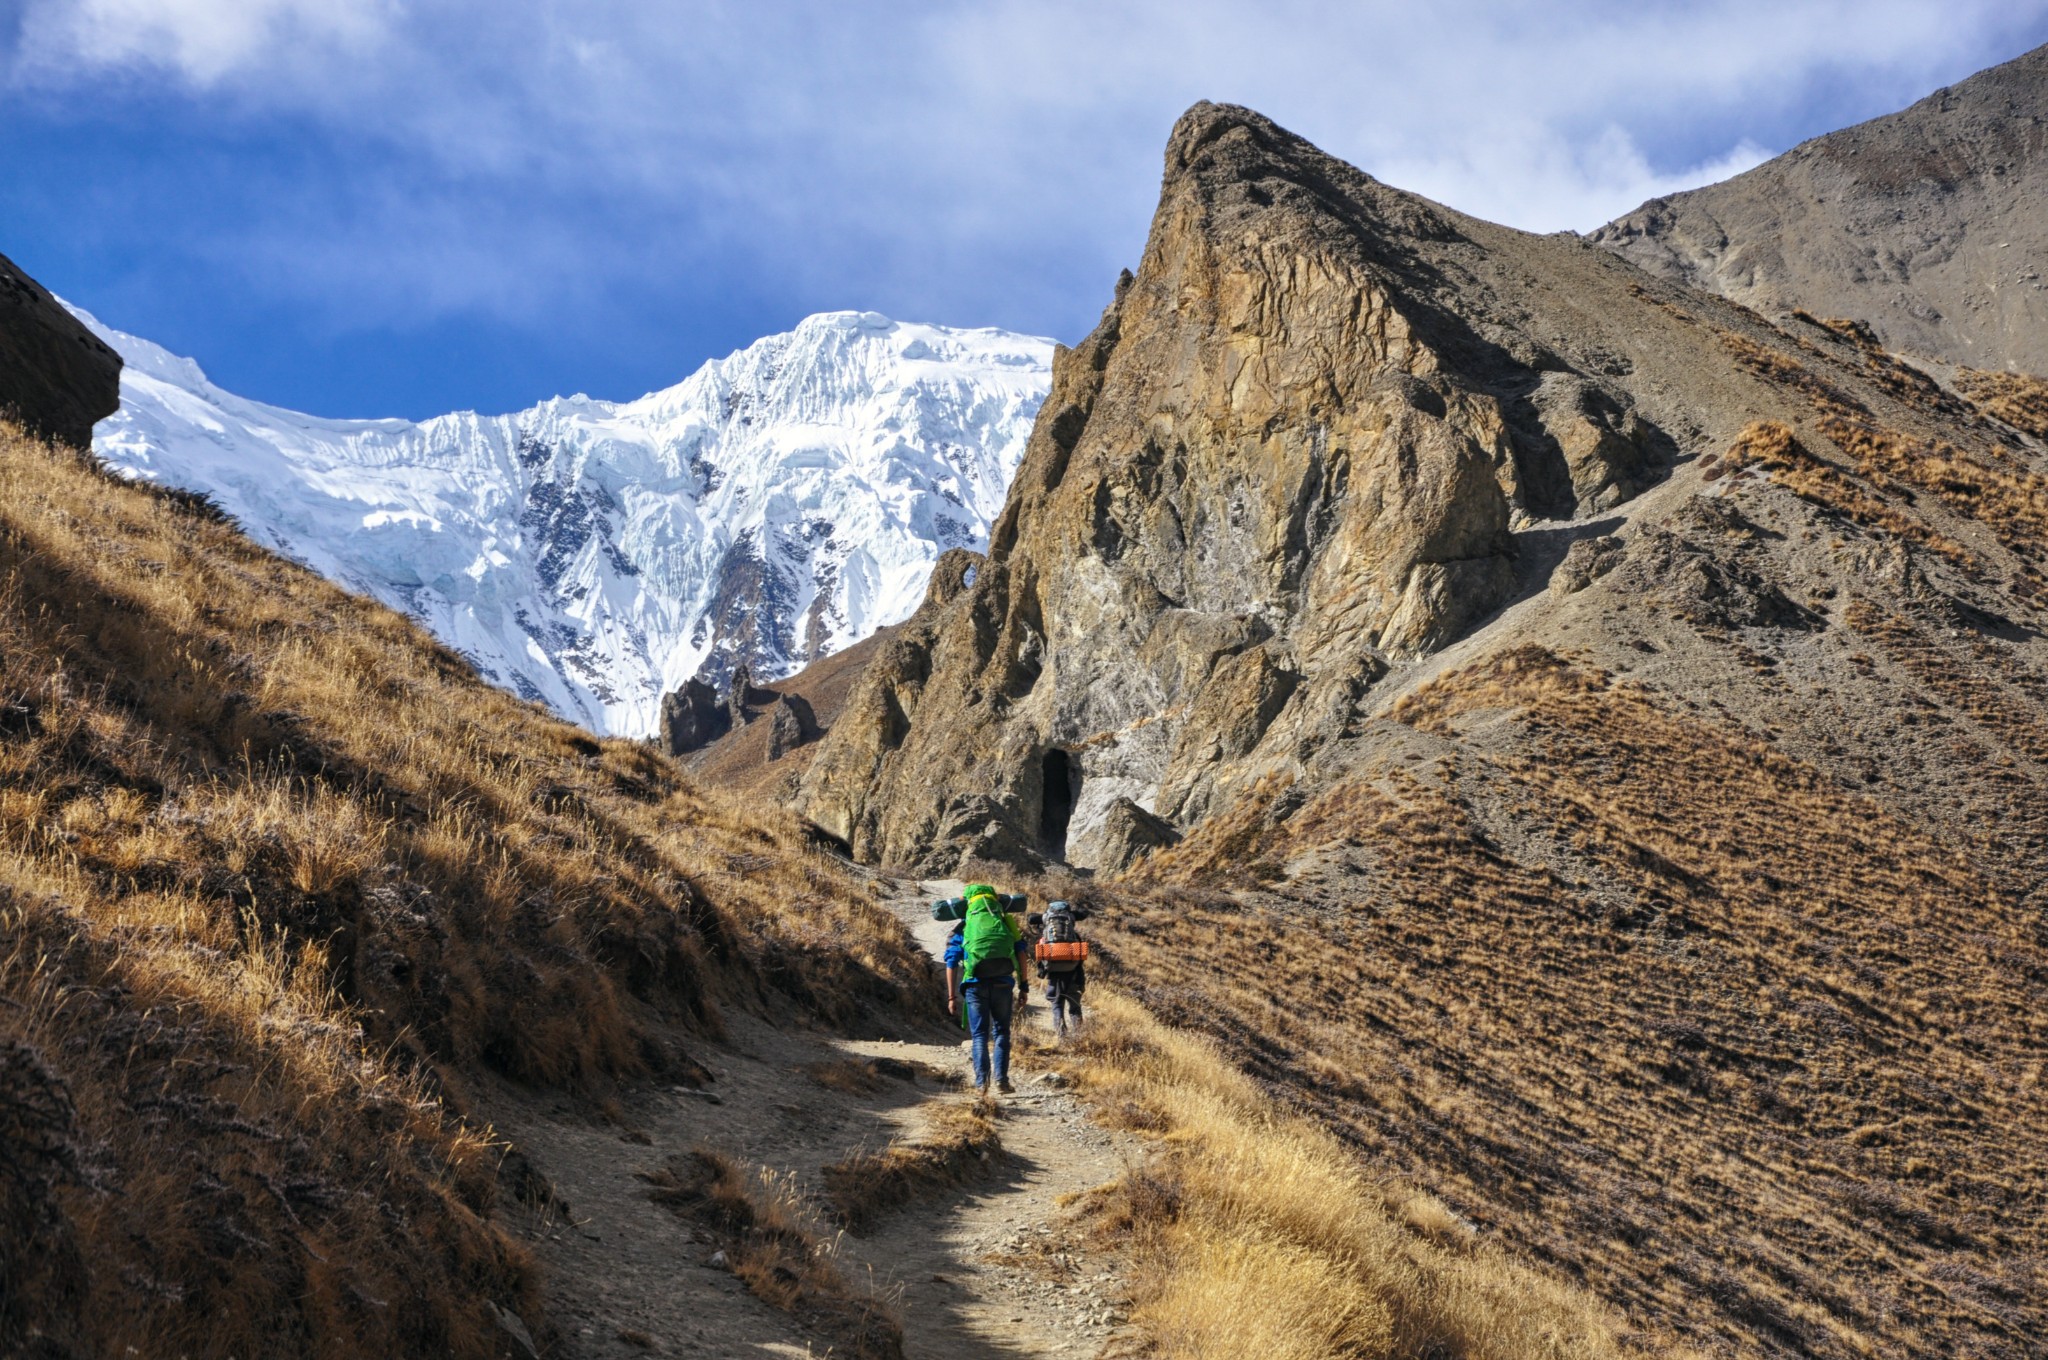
x,y
404,207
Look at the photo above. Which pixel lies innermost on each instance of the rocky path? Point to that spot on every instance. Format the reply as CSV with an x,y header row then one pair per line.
x,y
989,1270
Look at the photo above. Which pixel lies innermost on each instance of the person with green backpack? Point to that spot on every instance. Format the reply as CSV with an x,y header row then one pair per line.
x,y
985,969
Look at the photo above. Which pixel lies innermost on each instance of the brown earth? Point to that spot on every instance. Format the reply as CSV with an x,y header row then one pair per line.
x,y
1931,224
749,759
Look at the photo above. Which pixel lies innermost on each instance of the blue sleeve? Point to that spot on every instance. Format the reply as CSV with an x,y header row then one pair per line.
x,y
956,950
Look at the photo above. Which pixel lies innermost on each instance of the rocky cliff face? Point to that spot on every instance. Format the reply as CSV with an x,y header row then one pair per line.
x,y
1930,223
56,377
1299,448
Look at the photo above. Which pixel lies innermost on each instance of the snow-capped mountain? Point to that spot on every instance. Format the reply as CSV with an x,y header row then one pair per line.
x,y
777,505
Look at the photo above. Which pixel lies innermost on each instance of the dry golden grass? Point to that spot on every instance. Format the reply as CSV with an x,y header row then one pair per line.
x,y
279,874
2018,399
221,1164
1642,997
960,1143
1771,445
774,1246
1253,1233
2003,494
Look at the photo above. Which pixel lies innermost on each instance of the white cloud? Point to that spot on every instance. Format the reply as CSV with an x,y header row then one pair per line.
x,y
196,41
1541,180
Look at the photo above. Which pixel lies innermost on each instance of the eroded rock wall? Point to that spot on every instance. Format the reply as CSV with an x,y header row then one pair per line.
x,y
1275,467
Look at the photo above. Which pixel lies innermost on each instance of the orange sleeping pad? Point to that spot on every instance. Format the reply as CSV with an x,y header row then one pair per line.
x,y
1073,952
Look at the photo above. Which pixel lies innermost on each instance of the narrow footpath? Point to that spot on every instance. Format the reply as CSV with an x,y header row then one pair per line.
x,y
990,1269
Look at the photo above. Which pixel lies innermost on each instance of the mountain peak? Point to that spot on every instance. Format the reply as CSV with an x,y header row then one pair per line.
x,y
1930,223
1398,611
780,503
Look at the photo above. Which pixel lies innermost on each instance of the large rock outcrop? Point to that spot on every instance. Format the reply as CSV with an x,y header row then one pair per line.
x,y
56,377
1290,455
1930,223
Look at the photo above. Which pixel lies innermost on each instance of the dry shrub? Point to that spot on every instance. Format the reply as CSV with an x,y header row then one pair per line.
x,y
212,1161
1252,1233
865,1076
848,1076
774,1246
2006,497
960,1143
1771,445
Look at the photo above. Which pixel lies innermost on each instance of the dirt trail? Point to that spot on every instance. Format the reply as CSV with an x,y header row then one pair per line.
x,y
985,1271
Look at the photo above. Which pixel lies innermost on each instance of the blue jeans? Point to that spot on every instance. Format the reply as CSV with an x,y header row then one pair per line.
x,y
988,1022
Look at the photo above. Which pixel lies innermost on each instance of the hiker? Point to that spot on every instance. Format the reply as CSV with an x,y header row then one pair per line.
x,y
985,960
1063,962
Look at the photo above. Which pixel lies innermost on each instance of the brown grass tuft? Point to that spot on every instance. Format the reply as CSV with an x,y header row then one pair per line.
x,y
2018,399
774,1246
960,1144
2006,497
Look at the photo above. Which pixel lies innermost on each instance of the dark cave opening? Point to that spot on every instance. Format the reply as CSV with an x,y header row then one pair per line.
x,y
1061,780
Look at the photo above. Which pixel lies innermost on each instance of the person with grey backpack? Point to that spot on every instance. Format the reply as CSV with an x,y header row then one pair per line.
x,y
1063,959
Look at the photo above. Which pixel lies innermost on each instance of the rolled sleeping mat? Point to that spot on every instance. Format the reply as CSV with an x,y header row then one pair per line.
x,y
952,909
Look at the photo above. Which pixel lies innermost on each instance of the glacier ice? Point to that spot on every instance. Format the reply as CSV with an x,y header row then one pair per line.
x,y
777,505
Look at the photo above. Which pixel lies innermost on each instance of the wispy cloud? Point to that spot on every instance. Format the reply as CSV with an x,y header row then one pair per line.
x,y
198,42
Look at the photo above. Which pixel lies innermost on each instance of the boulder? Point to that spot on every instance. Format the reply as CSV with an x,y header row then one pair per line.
x,y
1585,562
1128,833
56,377
692,717
1602,444
790,725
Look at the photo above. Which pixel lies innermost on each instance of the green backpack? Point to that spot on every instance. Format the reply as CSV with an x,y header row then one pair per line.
x,y
989,940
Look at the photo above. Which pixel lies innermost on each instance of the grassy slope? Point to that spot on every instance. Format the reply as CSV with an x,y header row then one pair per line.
x,y
276,873
739,761
1744,1051
1698,952
1250,1231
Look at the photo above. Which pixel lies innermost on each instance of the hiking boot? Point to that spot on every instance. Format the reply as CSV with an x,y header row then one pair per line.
x,y
1005,1087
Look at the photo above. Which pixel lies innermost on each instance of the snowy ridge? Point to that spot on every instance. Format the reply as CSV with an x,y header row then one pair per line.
x,y
778,505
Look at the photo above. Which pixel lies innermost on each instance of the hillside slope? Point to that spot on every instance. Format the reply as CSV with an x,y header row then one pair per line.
x,y
779,504
1585,742
287,896
1931,224
282,882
